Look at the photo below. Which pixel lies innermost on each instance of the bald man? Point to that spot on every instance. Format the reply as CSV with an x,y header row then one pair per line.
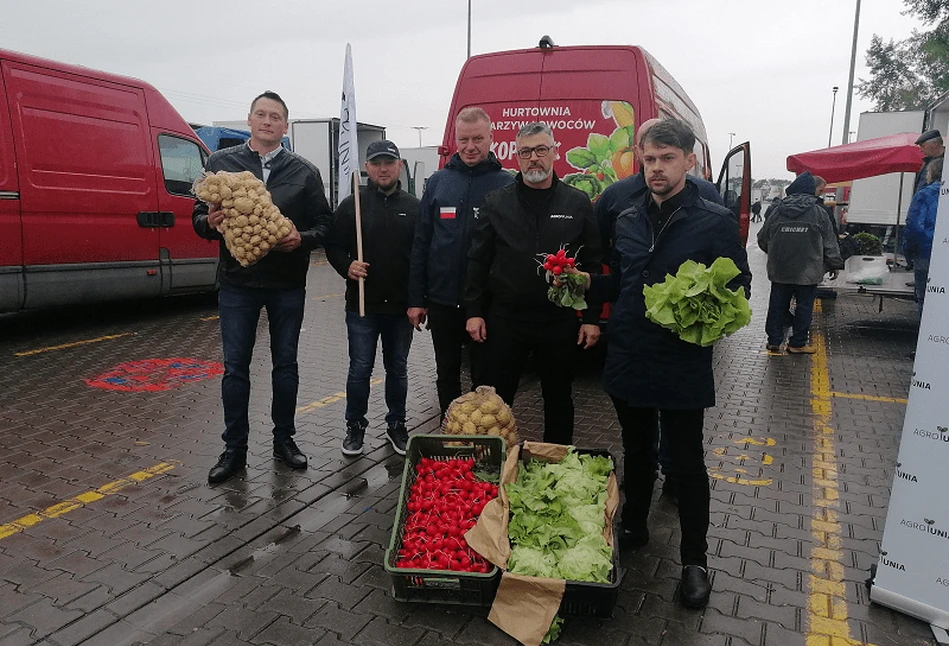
x,y
623,194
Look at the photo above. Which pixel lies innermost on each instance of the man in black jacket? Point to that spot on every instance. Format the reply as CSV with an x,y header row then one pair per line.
x,y
506,290
446,218
388,225
650,371
276,282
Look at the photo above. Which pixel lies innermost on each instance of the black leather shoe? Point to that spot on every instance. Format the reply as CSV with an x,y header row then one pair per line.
x,y
695,589
289,453
227,465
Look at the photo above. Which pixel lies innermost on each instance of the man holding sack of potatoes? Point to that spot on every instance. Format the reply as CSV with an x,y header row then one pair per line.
x,y
267,275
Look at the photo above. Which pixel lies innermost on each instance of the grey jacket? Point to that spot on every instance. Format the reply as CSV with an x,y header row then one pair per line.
x,y
799,241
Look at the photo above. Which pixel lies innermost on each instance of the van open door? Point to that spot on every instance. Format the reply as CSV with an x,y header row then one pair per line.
x,y
734,185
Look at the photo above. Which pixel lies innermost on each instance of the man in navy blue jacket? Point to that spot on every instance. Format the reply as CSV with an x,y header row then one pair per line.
x,y
649,370
443,230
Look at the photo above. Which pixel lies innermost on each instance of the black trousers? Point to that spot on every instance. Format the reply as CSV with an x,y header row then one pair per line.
x,y
449,337
511,340
682,433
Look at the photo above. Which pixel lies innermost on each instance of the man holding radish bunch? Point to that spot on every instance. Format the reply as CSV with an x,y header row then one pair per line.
x,y
520,229
651,370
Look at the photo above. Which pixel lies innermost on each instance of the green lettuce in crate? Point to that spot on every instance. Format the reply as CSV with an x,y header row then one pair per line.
x,y
696,305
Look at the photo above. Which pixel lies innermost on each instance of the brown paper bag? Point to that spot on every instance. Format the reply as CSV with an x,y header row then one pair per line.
x,y
526,605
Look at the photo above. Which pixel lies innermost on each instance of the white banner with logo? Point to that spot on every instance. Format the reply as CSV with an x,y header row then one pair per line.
x,y
348,147
913,571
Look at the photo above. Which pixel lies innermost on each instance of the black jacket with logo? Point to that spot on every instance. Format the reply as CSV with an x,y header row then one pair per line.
x,y
296,188
509,243
388,226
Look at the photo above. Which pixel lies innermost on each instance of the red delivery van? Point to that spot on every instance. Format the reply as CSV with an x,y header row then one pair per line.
x,y
592,97
95,189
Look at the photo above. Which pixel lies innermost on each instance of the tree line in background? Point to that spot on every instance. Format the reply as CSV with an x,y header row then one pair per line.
x,y
909,74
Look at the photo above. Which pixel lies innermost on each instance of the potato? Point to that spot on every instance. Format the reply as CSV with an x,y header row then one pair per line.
x,y
481,412
253,225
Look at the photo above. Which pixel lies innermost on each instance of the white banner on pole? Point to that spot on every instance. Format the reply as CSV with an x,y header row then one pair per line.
x,y
348,147
913,570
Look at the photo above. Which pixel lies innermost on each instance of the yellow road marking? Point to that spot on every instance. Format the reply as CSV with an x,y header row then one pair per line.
x,y
211,318
70,345
330,399
870,398
827,613
25,522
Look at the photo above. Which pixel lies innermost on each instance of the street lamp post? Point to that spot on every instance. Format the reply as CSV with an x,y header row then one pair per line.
x,y
469,28
833,105
420,129
731,137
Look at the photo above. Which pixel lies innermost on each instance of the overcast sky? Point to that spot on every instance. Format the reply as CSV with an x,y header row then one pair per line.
x,y
762,69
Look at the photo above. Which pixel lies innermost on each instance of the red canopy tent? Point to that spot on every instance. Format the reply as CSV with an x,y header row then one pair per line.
x,y
891,154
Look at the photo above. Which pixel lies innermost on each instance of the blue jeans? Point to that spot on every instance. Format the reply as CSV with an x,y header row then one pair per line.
x,y
364,332
240,310
780,317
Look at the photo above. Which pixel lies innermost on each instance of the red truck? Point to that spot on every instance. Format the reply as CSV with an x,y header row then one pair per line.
x,y
95,189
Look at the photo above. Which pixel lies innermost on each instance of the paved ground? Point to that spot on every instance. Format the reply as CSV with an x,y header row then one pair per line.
x,y
110,535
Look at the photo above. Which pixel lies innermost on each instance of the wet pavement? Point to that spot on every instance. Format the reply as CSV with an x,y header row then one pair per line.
x,y
110,418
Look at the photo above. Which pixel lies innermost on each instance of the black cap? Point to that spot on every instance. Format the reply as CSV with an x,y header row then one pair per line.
x,y
926,136
382,147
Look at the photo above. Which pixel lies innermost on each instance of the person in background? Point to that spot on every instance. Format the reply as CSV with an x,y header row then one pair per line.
x,y
756,211
650,371
821,185
920,227
774,202
446,218
801,248
506,292
276,282
388,217
931,145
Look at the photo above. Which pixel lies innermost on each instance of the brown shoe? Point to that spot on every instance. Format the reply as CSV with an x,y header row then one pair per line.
x,y
804,349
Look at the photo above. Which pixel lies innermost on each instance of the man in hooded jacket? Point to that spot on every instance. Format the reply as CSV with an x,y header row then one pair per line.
x,y
801,248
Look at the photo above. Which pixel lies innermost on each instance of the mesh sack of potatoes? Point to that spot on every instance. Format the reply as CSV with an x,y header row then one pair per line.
x,y
252,223
481,412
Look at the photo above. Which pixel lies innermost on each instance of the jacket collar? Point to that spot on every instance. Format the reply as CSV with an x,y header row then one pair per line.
x,y
488,165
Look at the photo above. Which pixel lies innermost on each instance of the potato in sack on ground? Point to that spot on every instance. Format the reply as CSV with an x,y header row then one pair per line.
x,y
252,223
481,412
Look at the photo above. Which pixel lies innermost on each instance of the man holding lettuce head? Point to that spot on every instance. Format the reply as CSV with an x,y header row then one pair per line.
x,y
650,370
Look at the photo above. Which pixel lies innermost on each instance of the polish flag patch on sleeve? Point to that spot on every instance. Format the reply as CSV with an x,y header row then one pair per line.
x,y
447,213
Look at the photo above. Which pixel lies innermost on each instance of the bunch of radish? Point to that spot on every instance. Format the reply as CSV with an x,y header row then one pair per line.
x,y
445,502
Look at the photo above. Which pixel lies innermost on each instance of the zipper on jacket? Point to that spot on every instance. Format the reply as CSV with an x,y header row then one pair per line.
x,y
656,236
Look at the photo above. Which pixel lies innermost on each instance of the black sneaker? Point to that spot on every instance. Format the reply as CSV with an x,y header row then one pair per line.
x,y
355,434
398,437
230,462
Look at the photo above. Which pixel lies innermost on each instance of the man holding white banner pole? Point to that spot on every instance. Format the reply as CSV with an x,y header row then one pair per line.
x,y
348,149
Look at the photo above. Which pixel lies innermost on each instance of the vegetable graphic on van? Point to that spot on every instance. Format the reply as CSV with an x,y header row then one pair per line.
x,y
605,159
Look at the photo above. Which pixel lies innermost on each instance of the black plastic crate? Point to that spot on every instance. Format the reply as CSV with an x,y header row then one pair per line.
x,y
585,599
444,586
